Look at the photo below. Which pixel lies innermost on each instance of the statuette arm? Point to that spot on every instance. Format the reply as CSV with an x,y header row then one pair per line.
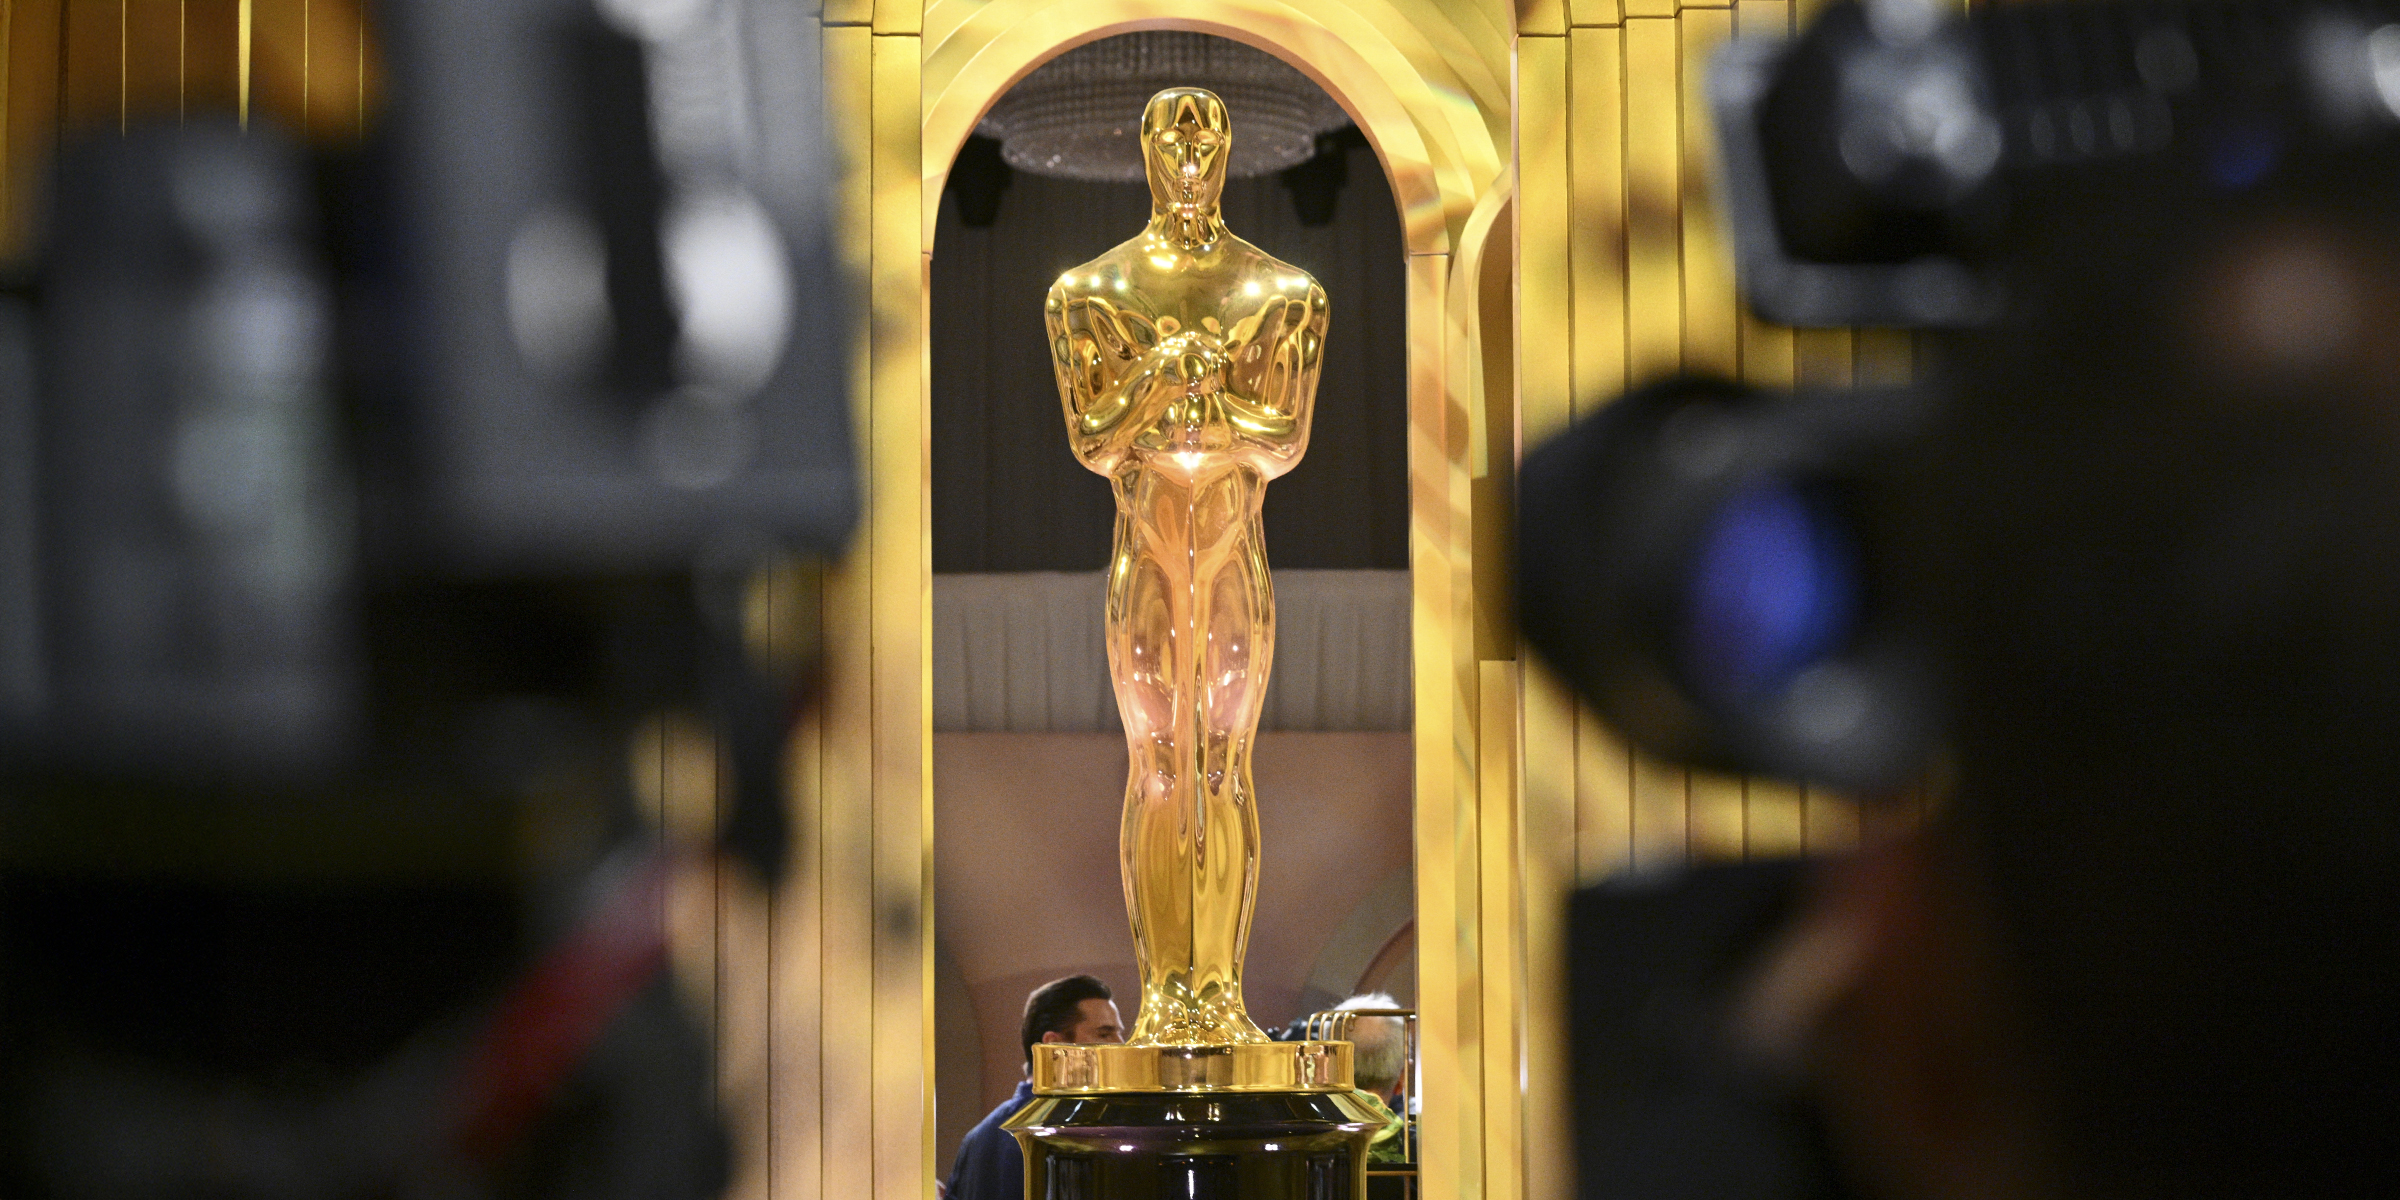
x,y
1115,374
1273,360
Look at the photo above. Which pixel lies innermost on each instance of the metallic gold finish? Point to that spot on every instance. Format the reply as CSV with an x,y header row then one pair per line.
x,y
1256,1145
1187,363
1062,1068
1427,80
245,21
902,562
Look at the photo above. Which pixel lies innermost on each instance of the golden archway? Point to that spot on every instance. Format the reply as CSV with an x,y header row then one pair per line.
x,y
1429,84
1549,156
1549,160
1438,120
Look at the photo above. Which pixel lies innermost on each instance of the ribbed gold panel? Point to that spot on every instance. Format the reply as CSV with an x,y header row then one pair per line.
x,y
67,66
1621,263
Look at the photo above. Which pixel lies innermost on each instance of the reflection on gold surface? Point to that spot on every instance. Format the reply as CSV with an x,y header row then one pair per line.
x,y
1067,1069
1187,360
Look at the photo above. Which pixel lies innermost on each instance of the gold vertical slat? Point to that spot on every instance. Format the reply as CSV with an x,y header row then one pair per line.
x,y
1604,787
1711,328
1551,222
1547,845
1885,356
1488,1026
1766,349
1714,821
845,794
1548,220
1502,918
1446,888
333,69
1587,13
848,12
1773,824
1486,291
1829,822
279,62
1823,358
90,86
1599,281
1654,328
208,58
1774,816
1762,18
795,1002
796,1040
1596,234
847,898
1444,329
899,16
1650,8
1542,18
149,42
1661,819
902,619
242,60
745,1028
8,109
1653,199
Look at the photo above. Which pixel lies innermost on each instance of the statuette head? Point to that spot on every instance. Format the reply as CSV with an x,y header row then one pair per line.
x,y
1186,141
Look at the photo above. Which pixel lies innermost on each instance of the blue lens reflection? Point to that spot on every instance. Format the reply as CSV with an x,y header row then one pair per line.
x,y
1774,587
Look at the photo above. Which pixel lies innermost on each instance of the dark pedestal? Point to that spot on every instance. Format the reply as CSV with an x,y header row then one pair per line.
x,y
1195,1146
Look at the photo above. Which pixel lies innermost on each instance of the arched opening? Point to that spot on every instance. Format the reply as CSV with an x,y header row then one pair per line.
x,y
1028,760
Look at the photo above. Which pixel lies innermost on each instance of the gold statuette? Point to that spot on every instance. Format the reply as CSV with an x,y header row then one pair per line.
x,y
1187,360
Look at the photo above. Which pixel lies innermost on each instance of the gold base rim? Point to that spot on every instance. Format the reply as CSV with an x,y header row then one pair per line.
x,y
1061,1069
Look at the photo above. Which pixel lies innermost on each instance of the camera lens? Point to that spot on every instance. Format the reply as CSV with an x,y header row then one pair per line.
x,y
1772,588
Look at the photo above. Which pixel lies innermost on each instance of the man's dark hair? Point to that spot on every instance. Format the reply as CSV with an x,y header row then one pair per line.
x,y
1054,1007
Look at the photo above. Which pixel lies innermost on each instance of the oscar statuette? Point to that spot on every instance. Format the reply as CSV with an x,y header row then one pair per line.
x,y
1187,361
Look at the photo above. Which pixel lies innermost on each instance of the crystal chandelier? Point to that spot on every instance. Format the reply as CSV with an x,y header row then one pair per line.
x,y
1079,115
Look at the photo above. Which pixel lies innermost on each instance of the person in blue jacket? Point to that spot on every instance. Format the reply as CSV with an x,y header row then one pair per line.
x,y
1076,1009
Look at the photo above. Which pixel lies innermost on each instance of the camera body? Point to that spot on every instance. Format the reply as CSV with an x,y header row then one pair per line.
x,y
356,508
2116,569
1763,582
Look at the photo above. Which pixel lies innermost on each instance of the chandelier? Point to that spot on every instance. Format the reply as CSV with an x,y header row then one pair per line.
x,y
1079,115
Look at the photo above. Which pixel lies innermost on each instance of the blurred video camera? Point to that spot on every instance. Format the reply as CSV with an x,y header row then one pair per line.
x,y
2128,537
1754,581
354,509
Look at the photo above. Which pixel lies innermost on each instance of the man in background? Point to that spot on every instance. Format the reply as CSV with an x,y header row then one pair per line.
x,y
1077,1009
1378,1062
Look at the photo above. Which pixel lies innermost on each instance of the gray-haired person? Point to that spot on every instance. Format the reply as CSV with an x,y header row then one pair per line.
x,y
1379,1060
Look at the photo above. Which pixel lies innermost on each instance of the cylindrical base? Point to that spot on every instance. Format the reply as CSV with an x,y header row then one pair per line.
x,y
1187,1146
1066,1068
